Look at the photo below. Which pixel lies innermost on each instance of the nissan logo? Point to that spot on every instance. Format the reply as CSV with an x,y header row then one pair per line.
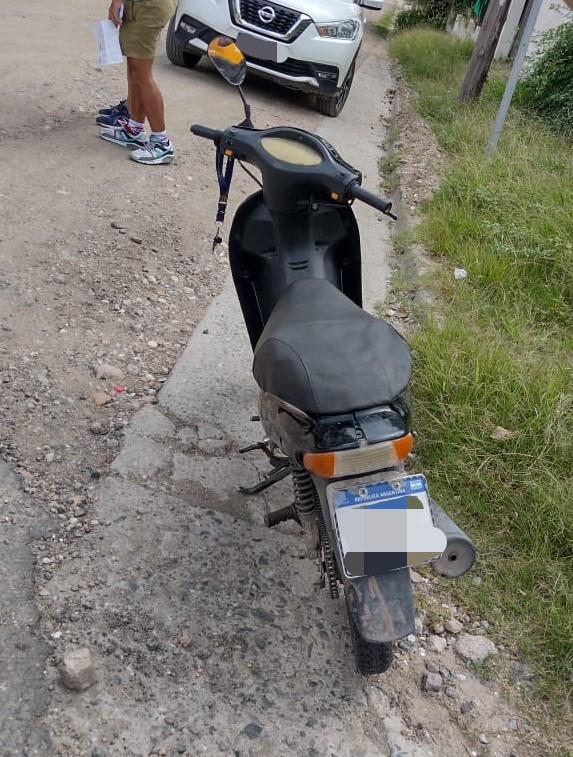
x,y
267,14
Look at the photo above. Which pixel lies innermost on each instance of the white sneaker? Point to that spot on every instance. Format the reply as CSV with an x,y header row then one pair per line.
x,y
120,135
154,153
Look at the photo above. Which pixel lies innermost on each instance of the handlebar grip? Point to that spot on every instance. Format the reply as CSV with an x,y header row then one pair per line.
x,y
207,132
357,192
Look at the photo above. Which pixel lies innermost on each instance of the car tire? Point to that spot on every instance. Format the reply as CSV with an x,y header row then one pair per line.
x,y
175,52
331,105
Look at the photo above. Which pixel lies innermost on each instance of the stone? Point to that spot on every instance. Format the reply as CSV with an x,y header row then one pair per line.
x,y
437,643
99,428
101,398
451,692
432,681
439,628
77,670
141,456
474,648
454,626
252,730
150,422
467,707
432,667
483,739
107,371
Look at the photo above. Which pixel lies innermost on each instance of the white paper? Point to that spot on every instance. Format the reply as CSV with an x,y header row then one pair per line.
x,y
107,37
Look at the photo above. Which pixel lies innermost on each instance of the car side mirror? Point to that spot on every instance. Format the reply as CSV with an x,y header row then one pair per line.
x,y
373,5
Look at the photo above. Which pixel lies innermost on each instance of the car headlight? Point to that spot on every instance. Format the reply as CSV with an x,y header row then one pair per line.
x,y
339,29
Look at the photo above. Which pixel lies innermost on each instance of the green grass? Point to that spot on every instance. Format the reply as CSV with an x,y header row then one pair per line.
x,y
385,23
501,355
388,169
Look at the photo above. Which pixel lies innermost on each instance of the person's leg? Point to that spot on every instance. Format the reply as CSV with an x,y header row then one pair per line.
x,y
139,35
145,98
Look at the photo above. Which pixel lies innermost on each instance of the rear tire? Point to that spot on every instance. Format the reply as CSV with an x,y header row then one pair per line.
x,y
371,657
175,52
331,105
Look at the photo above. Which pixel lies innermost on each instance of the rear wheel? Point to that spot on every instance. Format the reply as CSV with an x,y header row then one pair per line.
x,y
176,52
331,105
371,657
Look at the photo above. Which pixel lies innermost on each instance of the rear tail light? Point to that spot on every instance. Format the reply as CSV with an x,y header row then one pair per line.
x,y
353,462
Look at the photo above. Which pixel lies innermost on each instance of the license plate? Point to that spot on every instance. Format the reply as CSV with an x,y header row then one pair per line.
x,y
385,525
265,49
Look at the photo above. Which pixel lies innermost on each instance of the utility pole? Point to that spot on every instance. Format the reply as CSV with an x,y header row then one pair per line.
x,y
484,49
514,76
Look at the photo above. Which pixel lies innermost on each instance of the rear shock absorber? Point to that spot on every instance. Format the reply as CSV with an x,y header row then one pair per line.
x,y
305,503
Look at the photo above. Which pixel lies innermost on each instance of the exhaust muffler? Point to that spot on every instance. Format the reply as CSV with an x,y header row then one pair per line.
x,y
460,553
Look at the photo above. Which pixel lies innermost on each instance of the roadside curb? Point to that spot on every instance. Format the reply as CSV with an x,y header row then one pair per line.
x,y
413,262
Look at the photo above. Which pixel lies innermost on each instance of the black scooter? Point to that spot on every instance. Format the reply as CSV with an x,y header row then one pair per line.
x,y
333,379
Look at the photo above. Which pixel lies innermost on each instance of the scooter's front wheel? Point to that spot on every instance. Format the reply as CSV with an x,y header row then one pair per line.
x,y
371,657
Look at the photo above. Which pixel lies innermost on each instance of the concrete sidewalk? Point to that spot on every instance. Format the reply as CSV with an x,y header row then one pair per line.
x,y
209,633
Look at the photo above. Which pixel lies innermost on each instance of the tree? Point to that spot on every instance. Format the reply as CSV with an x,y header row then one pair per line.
x,y
484,50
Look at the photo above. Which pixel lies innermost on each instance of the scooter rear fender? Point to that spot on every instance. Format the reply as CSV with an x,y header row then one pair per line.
x,y
382,606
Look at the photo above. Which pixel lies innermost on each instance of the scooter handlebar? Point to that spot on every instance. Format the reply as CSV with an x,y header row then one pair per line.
x,y
356,192
207,133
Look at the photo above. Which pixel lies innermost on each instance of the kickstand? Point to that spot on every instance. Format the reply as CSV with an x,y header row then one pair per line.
x,y
281,470
277,461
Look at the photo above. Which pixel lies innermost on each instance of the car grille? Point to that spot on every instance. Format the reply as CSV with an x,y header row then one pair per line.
x,y
285,24
290,67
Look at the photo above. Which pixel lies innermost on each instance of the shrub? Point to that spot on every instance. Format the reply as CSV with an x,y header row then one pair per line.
x,y
547,89
433,13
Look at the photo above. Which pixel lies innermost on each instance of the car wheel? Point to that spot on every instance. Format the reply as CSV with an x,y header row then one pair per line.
x,y
175,51
331,105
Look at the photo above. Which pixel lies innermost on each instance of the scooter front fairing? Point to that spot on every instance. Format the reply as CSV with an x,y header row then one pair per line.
x,y
321,241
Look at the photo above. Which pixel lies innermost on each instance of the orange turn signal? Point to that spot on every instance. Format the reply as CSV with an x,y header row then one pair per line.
x,y
359,460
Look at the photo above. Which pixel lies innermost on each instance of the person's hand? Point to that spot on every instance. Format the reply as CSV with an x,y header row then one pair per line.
x,y
114,11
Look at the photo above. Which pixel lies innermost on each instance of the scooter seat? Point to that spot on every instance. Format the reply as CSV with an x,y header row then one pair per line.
x,y
323,354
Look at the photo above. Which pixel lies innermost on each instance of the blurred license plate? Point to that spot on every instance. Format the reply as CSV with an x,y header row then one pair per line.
x,y
385,525
265,49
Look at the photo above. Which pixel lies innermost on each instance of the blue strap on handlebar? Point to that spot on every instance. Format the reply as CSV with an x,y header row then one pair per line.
x,y
224,165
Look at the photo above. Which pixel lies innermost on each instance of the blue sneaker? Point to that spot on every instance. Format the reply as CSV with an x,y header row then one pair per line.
x,y
109,111
154,152
121,135
117,116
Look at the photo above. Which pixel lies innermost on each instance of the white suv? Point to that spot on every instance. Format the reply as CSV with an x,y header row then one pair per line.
x,y
310,45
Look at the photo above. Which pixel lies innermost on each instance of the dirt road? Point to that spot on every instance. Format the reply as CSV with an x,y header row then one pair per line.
x,y
208,637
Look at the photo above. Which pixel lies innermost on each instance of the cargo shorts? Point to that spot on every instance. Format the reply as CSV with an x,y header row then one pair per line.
x,y
143,21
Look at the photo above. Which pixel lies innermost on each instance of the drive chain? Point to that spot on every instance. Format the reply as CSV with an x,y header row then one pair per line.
x,y
328,554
